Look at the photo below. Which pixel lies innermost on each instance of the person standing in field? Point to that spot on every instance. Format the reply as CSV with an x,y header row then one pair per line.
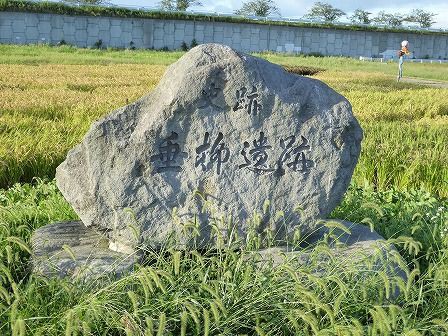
x,y
403,51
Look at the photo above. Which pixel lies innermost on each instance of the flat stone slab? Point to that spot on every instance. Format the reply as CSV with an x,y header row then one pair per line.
x,y
70,249
224,129
352,249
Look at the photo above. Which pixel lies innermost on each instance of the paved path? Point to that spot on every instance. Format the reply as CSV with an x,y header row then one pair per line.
x,y
427,82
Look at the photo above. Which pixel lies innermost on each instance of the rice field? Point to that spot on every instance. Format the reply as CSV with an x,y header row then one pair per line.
x,y
50,96
47,105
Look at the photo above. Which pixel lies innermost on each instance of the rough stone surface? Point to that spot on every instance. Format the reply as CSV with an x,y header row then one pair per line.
x,y
355,244
239,130
354,250
69,249
72,249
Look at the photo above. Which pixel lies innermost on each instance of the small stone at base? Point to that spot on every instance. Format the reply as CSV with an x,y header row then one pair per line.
x,y
70,249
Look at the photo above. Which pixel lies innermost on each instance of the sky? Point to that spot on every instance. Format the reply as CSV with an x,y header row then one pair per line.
x,y
298,8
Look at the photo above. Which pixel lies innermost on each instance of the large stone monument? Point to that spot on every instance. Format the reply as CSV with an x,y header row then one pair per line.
x,y
223,129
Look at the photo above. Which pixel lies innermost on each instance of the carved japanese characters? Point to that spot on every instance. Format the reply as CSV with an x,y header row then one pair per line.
x,y
221,127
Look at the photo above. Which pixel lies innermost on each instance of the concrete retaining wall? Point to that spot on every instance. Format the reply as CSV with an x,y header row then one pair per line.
x,y
85,31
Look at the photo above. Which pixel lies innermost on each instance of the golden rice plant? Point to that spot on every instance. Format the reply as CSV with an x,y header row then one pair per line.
x,y
46,107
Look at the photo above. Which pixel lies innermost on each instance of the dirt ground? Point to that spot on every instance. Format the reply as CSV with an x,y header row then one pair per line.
x,y
427,82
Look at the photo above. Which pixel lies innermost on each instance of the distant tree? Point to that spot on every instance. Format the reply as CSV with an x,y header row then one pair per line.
x,y
360,16
258,8
85,2
178,5
393,20
423,18
324,11
169,5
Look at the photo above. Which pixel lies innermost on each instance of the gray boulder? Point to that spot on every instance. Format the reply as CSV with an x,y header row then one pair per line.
x,y
348,245
222,135
70,249
345,250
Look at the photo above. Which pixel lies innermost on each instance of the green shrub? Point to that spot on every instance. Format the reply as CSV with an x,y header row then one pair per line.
x,y
315,54
194,43
184,46
98,44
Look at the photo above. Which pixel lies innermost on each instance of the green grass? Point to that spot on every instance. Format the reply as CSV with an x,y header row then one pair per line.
x,y
420,70
50,96
222,292
44,54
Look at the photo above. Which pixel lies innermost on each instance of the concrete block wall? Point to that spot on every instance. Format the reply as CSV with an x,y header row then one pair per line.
x,y
82,31
85,31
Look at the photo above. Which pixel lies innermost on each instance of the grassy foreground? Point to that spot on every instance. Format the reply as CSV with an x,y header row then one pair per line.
x,y
221,292
49,97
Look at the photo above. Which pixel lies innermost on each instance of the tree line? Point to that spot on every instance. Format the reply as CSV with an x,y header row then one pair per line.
x,y
325,12
321,11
